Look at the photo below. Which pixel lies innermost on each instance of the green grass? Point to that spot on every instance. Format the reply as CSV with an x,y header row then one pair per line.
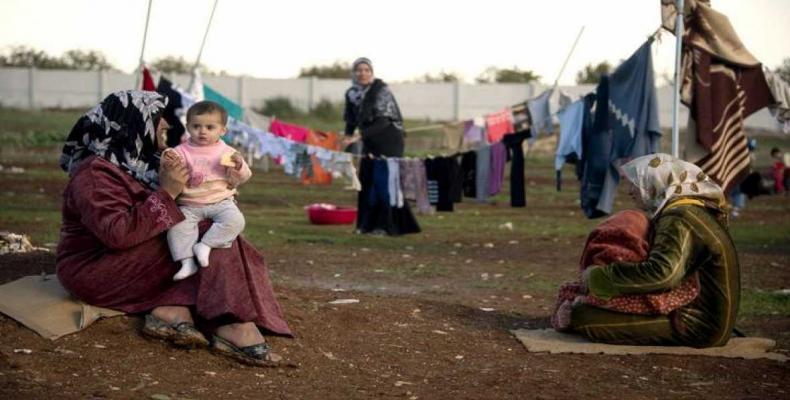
x,y
36,128
762,303
273,205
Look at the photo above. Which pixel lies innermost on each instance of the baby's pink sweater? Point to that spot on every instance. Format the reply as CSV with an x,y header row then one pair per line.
x,y
207,183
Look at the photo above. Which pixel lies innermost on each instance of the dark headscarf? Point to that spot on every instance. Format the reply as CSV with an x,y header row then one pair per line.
x,y
121,130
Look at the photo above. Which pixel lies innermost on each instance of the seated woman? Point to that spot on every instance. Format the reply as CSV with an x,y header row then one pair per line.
x,y
117,207
689,236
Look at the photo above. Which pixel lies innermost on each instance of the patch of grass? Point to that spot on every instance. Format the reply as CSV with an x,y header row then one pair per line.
x,y
24,128
758,302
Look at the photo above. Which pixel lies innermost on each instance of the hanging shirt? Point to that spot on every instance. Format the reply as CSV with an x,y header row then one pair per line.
x,y
540,111
474,130
633,118
570,142
499,124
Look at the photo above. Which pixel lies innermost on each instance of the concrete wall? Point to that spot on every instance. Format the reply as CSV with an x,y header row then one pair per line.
x,y
31,88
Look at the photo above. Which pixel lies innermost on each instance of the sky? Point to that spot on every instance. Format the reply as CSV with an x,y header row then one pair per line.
x,y
405,39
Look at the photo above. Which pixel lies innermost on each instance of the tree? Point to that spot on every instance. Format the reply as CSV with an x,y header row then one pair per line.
x,y
506,75
173,65
440,77
22,56
592,74
337,70
91,60
784,70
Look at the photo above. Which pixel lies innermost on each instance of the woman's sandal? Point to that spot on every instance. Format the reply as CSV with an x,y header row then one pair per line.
x,y
183,334
259,355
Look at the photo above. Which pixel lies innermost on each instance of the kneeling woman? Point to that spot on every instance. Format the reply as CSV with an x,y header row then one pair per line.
x,y
689,237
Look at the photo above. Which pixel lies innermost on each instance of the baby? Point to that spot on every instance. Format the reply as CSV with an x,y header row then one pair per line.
x,y
215,169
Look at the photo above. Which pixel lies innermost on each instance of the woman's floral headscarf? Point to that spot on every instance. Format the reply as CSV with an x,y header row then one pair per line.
x,y
122,130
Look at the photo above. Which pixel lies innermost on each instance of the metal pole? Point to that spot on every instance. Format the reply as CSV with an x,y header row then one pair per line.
x,y
203,43
568,57
142,50
676,94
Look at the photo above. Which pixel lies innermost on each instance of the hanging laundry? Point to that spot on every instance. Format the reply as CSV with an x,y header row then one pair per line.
x,y
340,163
414,184
379,191
453,135
497,174
515,148
195,89
257,121
468,173
631,118
718,71
316,140
540,111
569,147
564,99
456,178
290,131
234,110
781,92
148,80
393,183
482,172
522,119
596,147
380,216
474,130
499,124
439,170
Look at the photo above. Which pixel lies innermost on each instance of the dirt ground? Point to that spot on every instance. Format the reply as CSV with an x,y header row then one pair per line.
x,y
418,331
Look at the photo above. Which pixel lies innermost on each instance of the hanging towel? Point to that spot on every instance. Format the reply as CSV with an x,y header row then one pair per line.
x,y
289,131
515,148
234,110
393,183
414,183
483,171
497,174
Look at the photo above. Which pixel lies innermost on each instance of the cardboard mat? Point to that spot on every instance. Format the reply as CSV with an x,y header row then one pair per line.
x,y
41,304
549,340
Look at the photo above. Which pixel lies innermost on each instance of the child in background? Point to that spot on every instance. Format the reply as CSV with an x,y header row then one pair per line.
x,y
215,170
778,170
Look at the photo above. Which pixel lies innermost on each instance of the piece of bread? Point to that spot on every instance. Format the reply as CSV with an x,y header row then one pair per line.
x,y
227,159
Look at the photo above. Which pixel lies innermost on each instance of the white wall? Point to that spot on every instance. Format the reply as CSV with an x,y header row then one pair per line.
x,y
30,88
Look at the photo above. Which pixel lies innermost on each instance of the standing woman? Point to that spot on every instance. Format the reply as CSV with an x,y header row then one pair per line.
x,y
371,108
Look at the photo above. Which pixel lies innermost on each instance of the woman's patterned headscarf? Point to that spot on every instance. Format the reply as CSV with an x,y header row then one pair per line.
x,y
357,91
122,130
661,177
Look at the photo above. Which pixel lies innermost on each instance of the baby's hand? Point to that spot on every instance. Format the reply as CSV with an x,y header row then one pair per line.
x,y
233,177
238,162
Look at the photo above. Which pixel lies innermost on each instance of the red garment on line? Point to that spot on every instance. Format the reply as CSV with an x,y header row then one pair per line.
x,y
148,81
498,125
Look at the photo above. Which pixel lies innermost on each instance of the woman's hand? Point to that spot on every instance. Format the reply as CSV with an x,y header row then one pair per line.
x,y
348,140
173,174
